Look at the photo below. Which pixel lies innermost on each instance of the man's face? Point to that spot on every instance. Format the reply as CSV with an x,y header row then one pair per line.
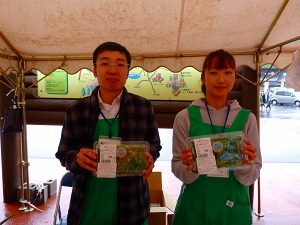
x,y
111,71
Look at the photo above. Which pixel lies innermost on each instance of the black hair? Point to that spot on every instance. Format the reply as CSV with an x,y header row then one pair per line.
x,y
111,46
223,59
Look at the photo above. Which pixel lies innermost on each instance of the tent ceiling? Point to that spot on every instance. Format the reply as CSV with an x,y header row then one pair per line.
x,y
171,33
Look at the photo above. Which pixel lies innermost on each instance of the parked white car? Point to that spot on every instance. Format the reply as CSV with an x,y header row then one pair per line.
x,y
285,97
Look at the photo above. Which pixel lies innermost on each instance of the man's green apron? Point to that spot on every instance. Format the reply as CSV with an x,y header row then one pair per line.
x,y
204,201
100,205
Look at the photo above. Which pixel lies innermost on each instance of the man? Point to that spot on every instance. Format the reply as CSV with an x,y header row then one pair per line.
x,y
109,111
262,99
268,99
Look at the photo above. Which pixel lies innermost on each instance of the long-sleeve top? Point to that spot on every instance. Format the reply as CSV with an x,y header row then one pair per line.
x,y
181,132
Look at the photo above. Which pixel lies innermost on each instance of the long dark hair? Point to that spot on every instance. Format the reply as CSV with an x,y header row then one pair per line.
x,y
223,60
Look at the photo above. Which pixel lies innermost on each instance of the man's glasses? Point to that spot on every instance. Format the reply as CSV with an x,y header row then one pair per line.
x,y
118,66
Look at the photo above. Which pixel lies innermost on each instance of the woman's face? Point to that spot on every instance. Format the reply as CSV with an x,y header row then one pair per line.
x,y
218,82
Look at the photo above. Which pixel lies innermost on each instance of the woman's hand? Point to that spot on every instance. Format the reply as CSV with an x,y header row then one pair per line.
x,y
87,159
187,158
249,151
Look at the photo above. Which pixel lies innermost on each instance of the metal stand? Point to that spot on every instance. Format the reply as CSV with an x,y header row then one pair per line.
x,y
24,141
23,164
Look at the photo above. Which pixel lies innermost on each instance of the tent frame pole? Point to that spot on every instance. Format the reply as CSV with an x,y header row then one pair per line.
x,y
258,59
22,66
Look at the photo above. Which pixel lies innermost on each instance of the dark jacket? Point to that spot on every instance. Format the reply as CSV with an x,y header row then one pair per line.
x,y
136,123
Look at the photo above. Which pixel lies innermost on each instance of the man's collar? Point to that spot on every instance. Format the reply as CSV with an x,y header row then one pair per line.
x,y
116,101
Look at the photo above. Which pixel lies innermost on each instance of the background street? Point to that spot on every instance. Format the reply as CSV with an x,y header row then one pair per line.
x,y
280,132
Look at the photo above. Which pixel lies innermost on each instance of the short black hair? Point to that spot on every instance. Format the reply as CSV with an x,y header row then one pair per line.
x,y
111,46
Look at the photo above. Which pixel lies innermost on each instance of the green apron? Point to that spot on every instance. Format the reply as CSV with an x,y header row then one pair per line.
x,y
204,201
100,205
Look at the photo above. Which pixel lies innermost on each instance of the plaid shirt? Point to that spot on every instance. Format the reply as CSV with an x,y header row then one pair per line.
x,y
137,123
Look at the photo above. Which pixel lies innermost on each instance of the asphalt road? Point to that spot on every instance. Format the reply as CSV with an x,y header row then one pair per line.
x,y
279,129
280,132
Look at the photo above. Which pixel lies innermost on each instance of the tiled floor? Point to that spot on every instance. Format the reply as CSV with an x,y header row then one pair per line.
x,y
280,195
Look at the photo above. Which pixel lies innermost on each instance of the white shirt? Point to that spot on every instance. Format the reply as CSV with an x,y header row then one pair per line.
x,y
109,111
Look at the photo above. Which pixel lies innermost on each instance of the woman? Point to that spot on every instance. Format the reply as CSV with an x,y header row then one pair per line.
x,y
220,198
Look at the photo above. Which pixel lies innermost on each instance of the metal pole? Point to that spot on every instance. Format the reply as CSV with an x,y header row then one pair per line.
x,y
24,139
21,164
258,213
257,60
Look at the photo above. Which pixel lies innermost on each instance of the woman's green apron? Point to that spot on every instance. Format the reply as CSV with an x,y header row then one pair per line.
x,y
208,200
100,205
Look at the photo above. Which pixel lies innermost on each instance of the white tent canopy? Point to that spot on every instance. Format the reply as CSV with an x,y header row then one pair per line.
x,y
172,33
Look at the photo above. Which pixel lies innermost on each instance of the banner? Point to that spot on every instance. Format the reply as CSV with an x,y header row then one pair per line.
x,y
160,84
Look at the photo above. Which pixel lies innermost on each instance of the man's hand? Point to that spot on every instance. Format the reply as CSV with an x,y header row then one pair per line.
x,y
149,167
87,159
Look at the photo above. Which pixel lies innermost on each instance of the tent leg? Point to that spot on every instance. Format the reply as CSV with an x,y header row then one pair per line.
x,y
21,165
26,165
258,213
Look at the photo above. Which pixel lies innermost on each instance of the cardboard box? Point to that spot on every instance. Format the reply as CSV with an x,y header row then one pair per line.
x,y
162,204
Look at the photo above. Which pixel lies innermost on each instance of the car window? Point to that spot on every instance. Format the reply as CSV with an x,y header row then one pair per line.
x,y
279,93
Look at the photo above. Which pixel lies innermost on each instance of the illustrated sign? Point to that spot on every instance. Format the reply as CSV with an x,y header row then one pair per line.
x,y
163,84
160,84
76,85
